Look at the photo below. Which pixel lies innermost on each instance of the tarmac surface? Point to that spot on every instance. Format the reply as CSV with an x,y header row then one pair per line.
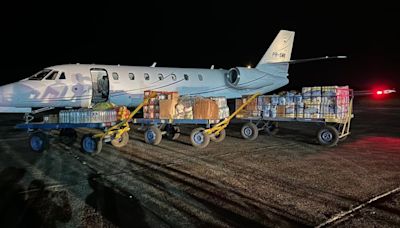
x,y
286,180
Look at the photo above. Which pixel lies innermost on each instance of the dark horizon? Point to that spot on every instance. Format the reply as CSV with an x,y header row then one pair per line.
x,y
198,35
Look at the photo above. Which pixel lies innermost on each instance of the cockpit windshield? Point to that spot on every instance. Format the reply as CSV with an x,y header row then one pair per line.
x,y
39,75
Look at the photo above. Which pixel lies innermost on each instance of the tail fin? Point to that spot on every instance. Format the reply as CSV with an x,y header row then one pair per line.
x,y
280,50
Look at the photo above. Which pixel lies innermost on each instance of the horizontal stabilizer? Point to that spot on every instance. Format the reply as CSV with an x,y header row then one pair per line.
x,y
312,59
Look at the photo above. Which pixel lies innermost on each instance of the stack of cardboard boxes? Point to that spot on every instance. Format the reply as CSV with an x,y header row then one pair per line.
x,y
169,105
152,110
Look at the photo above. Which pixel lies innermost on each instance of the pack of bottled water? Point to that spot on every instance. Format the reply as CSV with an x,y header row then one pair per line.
x,y
87,116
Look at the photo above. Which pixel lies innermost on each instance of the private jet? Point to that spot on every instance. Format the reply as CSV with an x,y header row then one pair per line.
x,y
84,85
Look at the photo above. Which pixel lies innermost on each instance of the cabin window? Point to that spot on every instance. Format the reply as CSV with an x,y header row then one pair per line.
x,y
173,76
131,76
40,75
146,76
200,77
186,77
52,75
62,76
115,76
160,77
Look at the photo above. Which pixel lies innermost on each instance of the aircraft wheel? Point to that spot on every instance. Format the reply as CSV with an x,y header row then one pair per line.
x,y
249,131
153,135
173,132
198,138
38,141
122,141
218,138
328,136
90,145
68,136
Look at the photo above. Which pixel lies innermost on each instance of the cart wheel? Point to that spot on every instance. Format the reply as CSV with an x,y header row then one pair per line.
x,y
38,141
198,138
218,138
249,131
90,145
68,136
122,141
328,136
173,132
152,135
272,128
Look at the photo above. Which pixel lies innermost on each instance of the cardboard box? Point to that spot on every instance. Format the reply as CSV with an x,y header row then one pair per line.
x,y
205,109
167,109
280,110
173,96
238,103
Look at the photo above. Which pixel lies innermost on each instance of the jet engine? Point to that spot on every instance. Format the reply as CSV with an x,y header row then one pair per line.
x,y
245,78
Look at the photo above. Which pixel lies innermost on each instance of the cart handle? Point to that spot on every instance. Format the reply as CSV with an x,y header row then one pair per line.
x,y
125,121
216,129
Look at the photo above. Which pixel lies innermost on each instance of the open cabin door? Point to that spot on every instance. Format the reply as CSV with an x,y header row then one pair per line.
x,y
100,85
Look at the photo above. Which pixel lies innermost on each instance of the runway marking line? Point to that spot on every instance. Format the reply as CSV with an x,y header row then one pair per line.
x,y
345,213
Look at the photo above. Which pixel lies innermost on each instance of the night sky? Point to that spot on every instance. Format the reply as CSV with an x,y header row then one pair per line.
x,y
37,35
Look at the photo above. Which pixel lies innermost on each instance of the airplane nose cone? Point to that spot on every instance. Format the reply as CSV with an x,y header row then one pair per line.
x,y
3,95
13,95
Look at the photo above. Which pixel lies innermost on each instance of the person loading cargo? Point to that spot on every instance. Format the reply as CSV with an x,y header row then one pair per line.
x,y
102,86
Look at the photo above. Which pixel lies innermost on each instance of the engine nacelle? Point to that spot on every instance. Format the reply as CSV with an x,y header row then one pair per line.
x,y
242,78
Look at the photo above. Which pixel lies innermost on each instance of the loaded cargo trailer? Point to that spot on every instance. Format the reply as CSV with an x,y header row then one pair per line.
x,y
213,130
331,107
112,127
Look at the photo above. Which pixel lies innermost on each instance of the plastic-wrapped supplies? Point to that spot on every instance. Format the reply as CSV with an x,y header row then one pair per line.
x,y
328,110
266,110
184,107
299,110
87,116
312,110
274,100
221,101
290,97
222,106
273,111
223,112
306,91
329,91
282,100
298,99
180,111
316,94
342,101
290,110
316,91
188,112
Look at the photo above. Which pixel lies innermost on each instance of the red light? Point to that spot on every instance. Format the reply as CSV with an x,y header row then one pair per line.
x,y
379,92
